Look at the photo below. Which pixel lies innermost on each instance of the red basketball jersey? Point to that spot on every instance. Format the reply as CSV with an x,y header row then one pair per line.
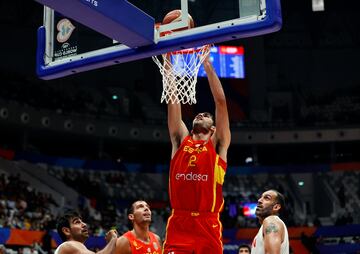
x,y
140,247
196,177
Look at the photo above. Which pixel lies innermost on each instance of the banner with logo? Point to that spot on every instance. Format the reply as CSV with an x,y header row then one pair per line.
x,y
72,38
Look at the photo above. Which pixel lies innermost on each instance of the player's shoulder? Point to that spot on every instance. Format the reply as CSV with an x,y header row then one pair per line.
x,y
273,220
124,237
123,241
123,245
72,247
156,236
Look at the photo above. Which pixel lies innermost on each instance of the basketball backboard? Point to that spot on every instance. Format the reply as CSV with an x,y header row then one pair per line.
x,y
83,35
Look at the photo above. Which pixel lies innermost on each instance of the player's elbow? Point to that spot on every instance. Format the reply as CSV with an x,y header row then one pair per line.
x,y
220,101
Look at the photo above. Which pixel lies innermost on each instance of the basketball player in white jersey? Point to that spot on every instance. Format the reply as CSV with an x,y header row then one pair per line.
x,y
272,237
74,232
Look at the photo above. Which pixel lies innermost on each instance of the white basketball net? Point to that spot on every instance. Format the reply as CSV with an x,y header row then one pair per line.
x,y
179,70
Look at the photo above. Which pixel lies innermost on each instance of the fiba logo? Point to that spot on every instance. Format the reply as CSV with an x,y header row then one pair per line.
x,y
65,28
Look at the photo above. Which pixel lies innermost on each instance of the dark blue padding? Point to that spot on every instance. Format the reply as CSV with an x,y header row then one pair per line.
x,y
117,19
338,231
271,23
348,248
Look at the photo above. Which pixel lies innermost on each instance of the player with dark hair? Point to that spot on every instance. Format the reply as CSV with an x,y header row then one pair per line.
x,y
74,232
197,171
244,248
140,239
273,235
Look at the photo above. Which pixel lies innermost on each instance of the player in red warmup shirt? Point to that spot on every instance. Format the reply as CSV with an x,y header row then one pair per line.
x,y
139,240
197,171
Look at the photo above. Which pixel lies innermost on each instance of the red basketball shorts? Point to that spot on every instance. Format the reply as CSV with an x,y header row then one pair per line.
x,y
193,232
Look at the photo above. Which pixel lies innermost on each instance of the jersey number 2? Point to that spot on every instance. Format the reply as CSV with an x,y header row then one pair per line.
x,y
192,161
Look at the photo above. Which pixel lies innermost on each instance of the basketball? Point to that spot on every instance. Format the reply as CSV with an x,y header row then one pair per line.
x,y
175,16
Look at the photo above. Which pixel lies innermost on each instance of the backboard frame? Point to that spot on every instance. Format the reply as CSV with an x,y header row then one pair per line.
x,y
268,21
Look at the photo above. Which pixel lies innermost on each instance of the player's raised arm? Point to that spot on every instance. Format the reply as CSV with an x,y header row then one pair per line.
x,y
177,128
222,136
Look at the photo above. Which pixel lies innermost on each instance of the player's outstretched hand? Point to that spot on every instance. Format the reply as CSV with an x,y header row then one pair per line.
x,y
208,65
110,235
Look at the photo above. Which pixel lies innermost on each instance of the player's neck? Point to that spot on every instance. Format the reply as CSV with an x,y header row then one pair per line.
x,y
141,233
260,221
82,241
200,136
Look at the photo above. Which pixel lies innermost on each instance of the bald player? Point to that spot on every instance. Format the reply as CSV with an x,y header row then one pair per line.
x,y
272,237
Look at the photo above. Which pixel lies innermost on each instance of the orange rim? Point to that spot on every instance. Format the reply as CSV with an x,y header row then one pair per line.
x,y
188,51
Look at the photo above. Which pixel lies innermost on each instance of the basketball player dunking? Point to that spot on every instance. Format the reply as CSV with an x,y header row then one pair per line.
x,y
197,170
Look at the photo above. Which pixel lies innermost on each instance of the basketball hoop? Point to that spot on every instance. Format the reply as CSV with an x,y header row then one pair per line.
x,y
179,70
